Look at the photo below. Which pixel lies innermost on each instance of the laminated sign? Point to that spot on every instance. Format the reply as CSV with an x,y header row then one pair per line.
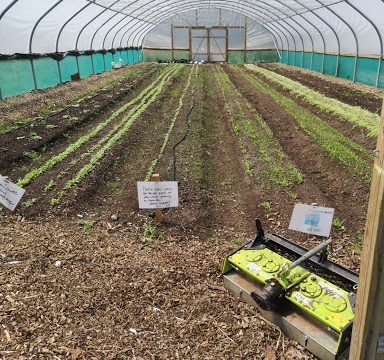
x,y
10,193
315,220
157,194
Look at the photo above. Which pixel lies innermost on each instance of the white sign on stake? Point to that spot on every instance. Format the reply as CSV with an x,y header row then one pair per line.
x,y
310,219
10,193
157,194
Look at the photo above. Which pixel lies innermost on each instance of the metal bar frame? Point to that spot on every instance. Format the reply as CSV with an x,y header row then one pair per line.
x,y
31,40
188,8
353,33
204,4
377,33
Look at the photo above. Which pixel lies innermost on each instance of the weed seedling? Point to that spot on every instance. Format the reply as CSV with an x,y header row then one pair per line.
x,y
238,240
339,224
214,240
29,203
32,155
266,205
360,240
55,201
87,225
151,231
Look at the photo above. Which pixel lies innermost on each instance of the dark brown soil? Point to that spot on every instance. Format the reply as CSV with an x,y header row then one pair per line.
x,y
331,89
359,135
325,182
16,145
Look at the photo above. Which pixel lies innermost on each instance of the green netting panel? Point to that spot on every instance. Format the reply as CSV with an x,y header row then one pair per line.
x,y
157,55
284,56
181,54
346,65
130,56
108,60
235,56
317,64
15,77
98,63
138,56
85,65
330,64
299,58
367,71
291,57
68,67
261,55
124,56
308,56
47,73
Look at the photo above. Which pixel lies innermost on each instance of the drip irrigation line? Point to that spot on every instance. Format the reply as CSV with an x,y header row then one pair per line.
x,y
182,139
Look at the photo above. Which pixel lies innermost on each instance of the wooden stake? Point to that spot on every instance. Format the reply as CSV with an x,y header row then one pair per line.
x,y
368,327
158,212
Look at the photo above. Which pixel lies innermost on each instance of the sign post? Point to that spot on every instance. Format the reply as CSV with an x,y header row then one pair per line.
x,y
157,195
10,193
158,212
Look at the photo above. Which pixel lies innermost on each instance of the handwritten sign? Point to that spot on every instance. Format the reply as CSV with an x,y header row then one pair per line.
x,y
10,193
157,194
309,219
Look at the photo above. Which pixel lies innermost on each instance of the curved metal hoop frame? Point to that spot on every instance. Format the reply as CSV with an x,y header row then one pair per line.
x,y
286,21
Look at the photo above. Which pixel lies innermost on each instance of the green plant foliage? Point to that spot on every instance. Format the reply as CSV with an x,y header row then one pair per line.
x,y
239,240
29,203
267,206
330,140
128,122
33,174
150,232
254,136
32,155
355,114
172,125
87,225
55,201
338,224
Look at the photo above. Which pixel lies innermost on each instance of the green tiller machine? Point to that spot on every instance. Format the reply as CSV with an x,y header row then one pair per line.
x,y
309,297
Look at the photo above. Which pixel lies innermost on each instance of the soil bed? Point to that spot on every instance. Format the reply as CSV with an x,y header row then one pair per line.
x,y
337,88
95,277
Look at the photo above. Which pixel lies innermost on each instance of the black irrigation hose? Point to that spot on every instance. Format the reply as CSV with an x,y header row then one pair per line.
x,y
182,139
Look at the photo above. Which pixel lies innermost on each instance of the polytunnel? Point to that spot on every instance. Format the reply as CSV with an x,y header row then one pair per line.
x,y
192,179
44,42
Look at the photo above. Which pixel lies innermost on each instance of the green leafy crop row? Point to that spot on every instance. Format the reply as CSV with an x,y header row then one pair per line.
x,y
128,122
274,167
173,121
30,176
330,140
354,114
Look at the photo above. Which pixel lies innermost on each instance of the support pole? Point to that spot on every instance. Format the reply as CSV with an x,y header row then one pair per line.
x,y
172,44
209,44
226,45
158,212
190,44
245,39
368,326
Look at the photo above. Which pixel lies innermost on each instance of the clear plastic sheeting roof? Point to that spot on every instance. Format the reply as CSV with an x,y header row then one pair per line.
x,y
342,27
258,37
